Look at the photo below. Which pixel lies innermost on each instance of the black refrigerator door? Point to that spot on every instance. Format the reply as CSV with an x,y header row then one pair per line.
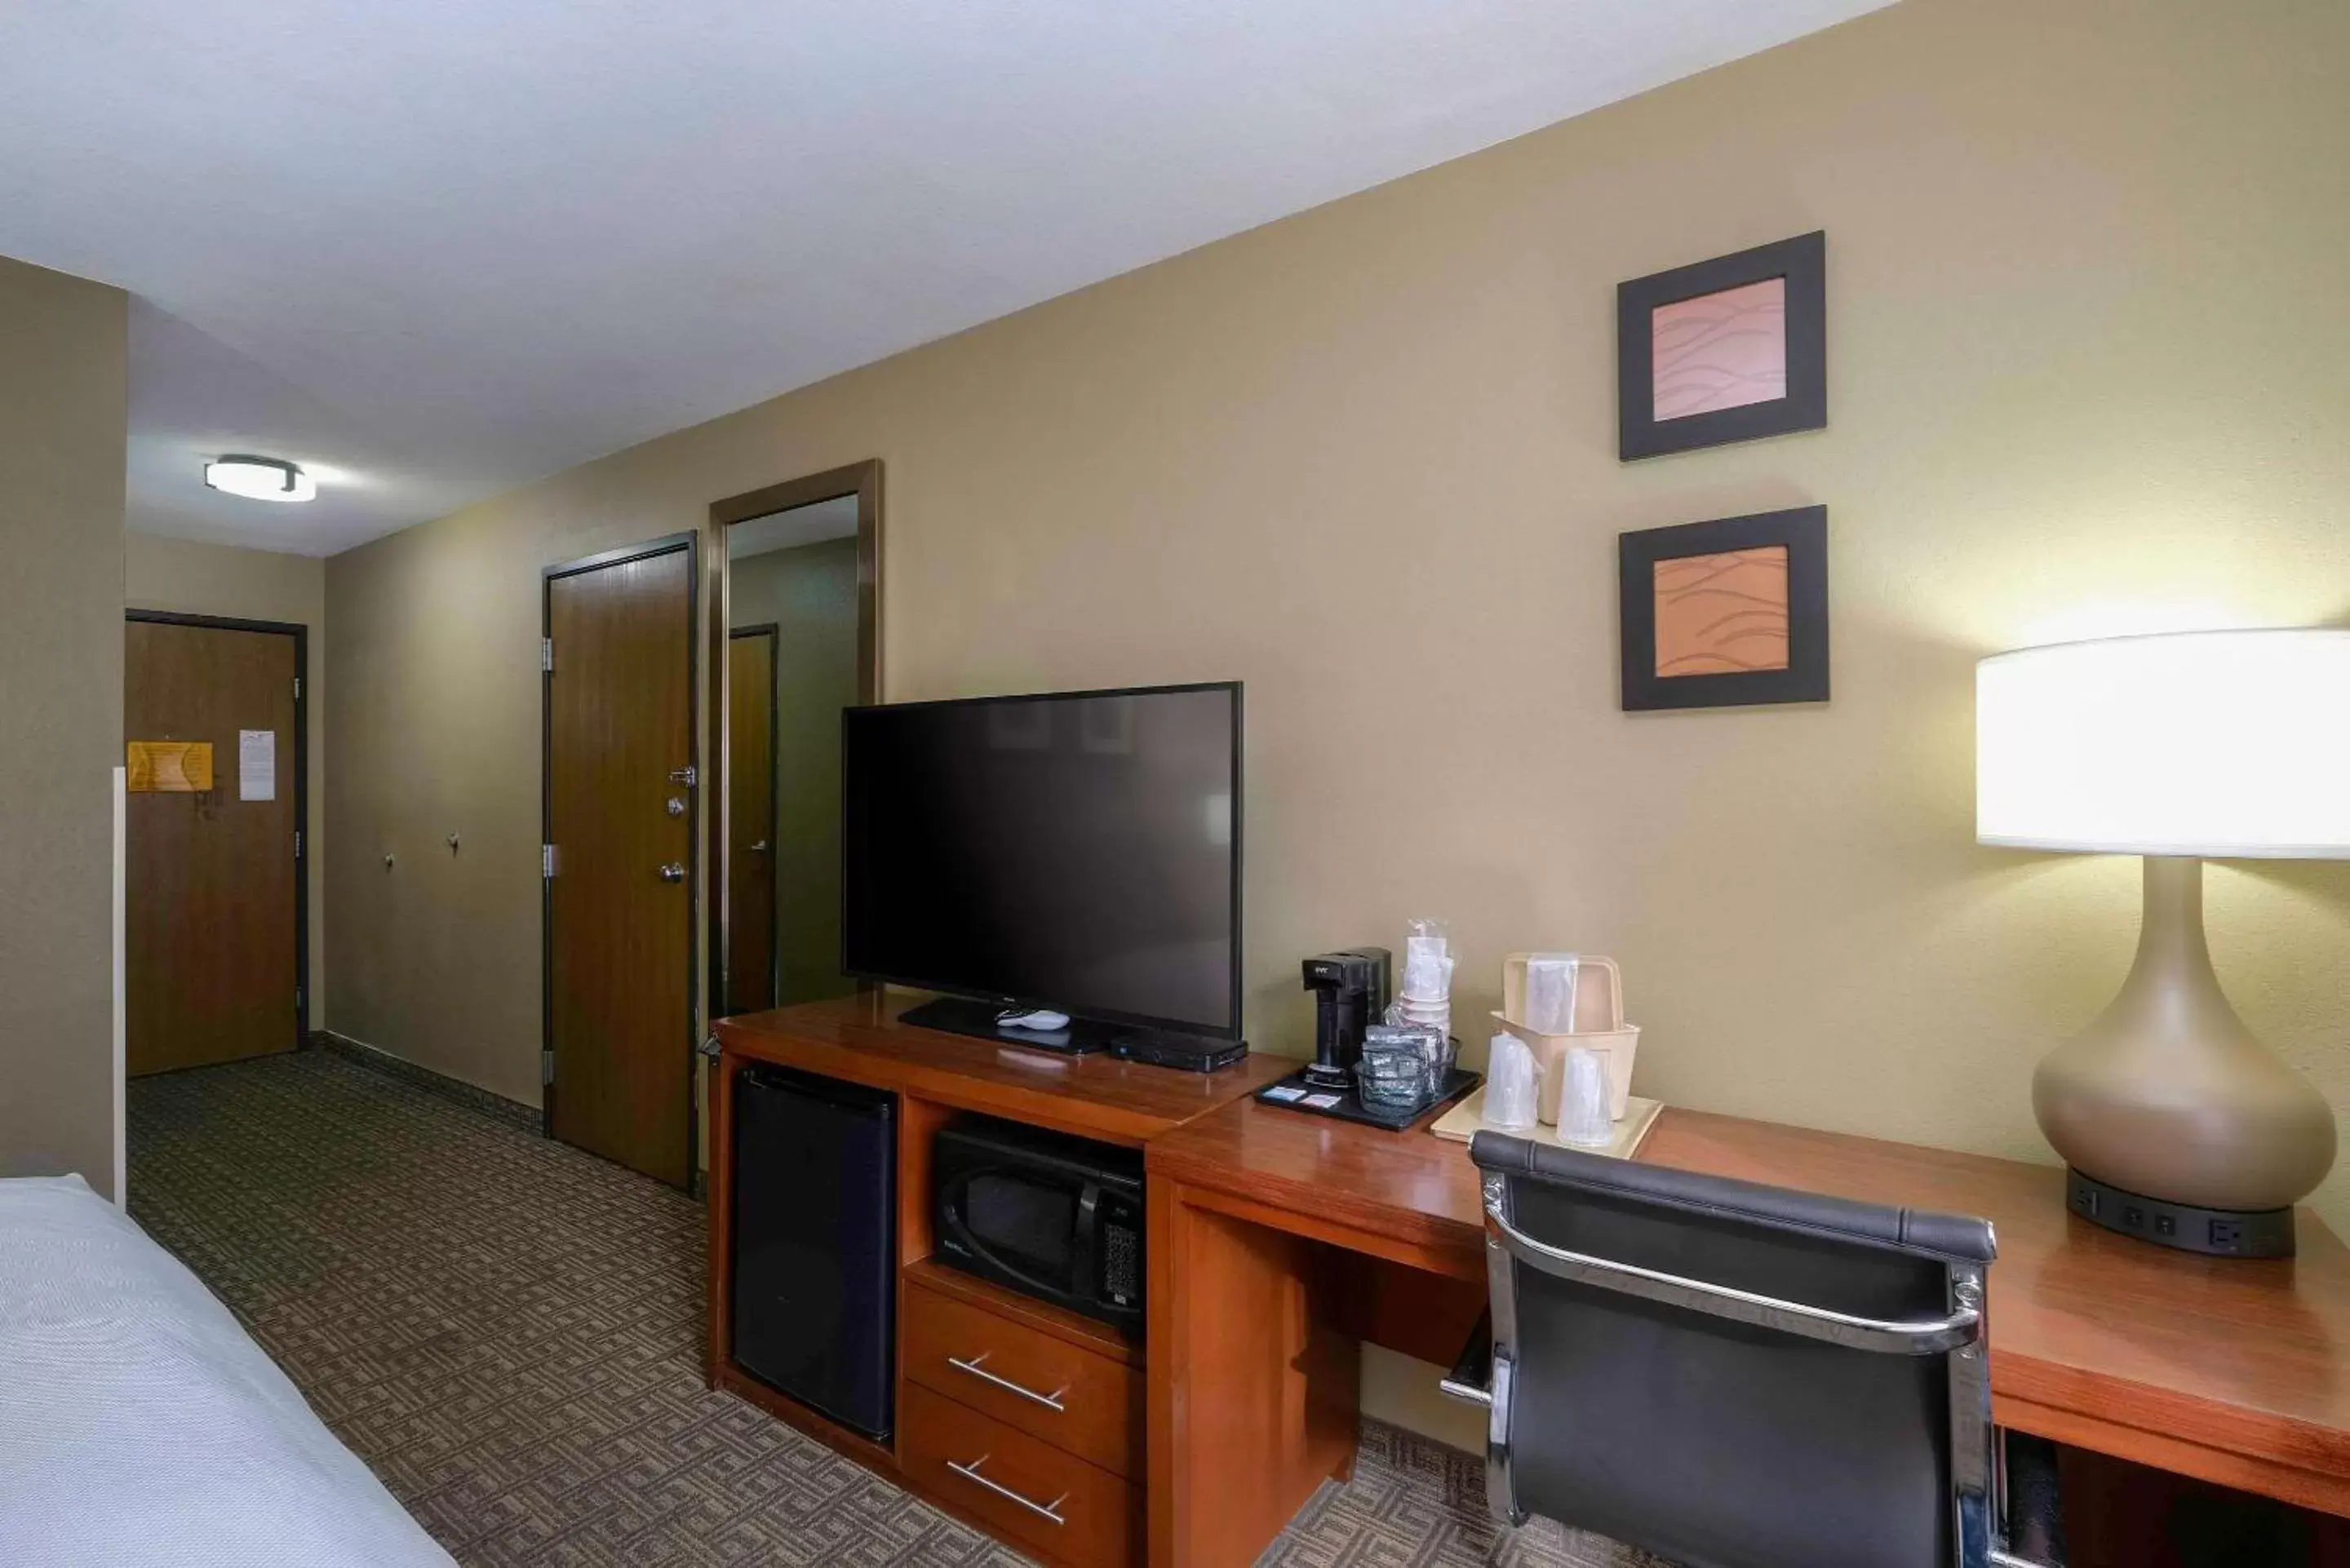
x,y
815,1176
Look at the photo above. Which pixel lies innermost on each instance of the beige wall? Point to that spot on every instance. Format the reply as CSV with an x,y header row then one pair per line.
x,y
254,585
2087,321
63,389
435,729
809,595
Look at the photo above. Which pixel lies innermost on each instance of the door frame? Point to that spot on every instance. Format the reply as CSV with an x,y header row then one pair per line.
x,y
300,633
862,480
722,948
688,541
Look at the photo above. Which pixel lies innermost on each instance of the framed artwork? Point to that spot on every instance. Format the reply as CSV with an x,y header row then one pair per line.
x,y
1720,614
1724,350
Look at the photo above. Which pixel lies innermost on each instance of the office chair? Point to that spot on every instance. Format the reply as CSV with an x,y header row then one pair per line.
x,y
1734,1376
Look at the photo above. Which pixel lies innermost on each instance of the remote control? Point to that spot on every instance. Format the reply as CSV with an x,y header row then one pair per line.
x,y
1038,1018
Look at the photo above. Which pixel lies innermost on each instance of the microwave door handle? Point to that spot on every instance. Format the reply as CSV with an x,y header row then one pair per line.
x,y
1085,1265
961,1227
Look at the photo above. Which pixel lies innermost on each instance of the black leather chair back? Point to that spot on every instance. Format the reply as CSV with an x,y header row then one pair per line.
x,y
1734,1376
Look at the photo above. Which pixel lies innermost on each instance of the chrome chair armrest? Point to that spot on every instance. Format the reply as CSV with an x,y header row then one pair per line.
x,y
1929,1336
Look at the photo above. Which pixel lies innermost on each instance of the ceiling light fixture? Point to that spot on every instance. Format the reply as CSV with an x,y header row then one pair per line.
x,y
260,478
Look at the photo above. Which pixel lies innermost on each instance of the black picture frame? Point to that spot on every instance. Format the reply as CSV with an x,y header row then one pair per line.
x,y
1804,531
1803,263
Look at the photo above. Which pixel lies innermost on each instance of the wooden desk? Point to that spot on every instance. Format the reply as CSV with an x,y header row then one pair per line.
x,y
2231,1372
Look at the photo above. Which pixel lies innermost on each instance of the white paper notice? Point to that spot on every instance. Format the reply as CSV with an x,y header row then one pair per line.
x,y
256,764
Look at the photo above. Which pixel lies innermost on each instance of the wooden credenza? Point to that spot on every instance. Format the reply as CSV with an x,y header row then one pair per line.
x,y
1020,1418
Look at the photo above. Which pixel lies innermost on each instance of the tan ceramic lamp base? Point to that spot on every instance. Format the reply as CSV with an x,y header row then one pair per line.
x,y
2170,1100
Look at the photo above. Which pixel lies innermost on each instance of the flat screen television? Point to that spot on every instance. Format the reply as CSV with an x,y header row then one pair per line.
x,y
1077,851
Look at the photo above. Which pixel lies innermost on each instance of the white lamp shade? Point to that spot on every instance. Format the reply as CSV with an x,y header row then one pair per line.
x,y
2220,744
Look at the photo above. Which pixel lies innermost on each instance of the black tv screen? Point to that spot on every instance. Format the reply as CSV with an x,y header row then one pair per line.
x,y
1079,851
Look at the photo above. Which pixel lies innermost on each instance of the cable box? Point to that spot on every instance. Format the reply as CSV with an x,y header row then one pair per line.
x,y
1190,1053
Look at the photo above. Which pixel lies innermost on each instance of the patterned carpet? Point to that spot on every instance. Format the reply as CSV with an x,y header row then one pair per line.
x,y
508,1331
1416,1504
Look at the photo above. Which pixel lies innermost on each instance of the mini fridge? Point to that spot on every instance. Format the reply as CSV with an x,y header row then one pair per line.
x,y
815,1278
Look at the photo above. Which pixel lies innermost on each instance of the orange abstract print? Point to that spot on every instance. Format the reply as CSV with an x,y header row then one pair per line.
x,y
1723,614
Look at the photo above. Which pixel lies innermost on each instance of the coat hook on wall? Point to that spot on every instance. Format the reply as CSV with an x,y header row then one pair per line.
x,y
452,844
387,859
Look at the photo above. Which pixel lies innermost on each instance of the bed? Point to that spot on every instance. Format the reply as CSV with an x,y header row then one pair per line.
x,y
141,1425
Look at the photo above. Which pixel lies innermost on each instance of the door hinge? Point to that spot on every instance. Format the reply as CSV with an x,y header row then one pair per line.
x,y
298,843
546,655
297,689
297,998
546,860
547,1066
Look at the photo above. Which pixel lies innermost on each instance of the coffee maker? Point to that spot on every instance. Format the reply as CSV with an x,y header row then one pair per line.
x,y
1350,994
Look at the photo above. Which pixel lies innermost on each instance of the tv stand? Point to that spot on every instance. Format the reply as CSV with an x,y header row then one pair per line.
x,y
1082,1452
959,1015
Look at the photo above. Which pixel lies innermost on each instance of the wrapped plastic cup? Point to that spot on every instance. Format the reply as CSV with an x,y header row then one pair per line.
x,y
1427,977
1585,1101
1438,1049
1510,1083
1550,993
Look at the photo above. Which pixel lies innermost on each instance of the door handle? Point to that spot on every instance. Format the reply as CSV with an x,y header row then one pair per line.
x,y
970,1472
684,775
672,872
759,847
1050,1401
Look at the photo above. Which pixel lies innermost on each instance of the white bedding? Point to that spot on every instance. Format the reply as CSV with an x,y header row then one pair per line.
x,y
139,1425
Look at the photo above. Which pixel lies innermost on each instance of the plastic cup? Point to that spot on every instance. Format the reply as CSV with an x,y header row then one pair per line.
x,y
1584,1101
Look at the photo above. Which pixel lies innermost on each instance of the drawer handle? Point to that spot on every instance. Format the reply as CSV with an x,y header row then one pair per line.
x,y
970,1472
1050,1401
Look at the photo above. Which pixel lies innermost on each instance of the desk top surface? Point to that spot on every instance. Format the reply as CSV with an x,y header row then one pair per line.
x,y
2095,1338
860,1039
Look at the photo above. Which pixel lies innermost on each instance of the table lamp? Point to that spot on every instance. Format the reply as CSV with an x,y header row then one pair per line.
x,y
2175,1124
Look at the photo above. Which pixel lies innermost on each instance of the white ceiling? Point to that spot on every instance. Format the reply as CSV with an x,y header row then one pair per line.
x,y
433,249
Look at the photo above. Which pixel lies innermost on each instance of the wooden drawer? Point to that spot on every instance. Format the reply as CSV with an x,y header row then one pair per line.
x,y
1074,1398
1030,1494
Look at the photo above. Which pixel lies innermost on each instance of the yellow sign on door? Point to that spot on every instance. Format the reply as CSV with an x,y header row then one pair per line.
x,y
182,767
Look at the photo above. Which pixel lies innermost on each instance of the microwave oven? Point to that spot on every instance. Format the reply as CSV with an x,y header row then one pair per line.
x,y
1054,1217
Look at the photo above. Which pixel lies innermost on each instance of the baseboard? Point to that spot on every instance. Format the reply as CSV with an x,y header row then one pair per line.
x,y
455,1090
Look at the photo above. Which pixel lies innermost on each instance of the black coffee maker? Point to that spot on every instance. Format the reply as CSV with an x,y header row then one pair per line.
x,y
1350,994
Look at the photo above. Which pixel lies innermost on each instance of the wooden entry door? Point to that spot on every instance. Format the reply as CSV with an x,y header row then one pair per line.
x,y
213,926
619,800
750,820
